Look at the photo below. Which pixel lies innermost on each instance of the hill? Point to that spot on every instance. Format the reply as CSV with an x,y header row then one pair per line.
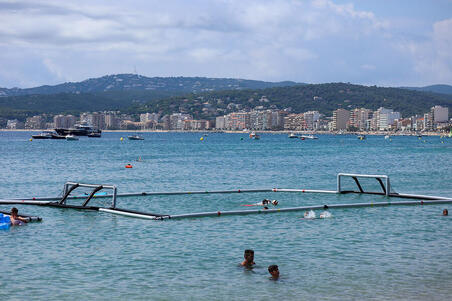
x,y
443,89
134,82
301,98
324,98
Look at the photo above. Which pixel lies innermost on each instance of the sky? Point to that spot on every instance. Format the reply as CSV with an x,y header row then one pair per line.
x,y
369,42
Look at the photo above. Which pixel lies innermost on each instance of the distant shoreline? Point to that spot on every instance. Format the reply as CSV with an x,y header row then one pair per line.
x,y
248,131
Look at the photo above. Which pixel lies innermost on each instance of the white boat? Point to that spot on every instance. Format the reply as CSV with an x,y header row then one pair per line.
x,y
135,137
71,137
308,137
43,135
292,135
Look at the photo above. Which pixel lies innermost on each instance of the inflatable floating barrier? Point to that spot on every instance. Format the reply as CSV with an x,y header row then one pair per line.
x,y
5,222
129,166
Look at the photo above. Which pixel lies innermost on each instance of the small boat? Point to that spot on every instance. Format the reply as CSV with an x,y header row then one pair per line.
x,y
387,137
71,138
43,135
292,135
361,137
135,137
309,137
94,135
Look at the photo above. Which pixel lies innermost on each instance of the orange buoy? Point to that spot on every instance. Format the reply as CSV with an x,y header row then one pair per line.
x,y
129,166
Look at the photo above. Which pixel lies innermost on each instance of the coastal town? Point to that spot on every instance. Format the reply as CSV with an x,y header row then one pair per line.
x,y
383,120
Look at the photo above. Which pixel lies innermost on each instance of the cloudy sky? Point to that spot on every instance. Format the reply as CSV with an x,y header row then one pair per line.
x,y
381,42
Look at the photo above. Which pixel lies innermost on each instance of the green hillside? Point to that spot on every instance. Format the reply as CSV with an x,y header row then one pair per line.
x,y
322,97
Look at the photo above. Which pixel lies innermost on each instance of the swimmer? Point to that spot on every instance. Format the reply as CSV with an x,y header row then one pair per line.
x,y
325,214
274,271
445,212
265,203
15,219
249,258
309,214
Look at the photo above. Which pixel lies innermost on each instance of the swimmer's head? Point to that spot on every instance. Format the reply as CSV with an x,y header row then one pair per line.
x,y
325,207
274,271
445,212
249,255
14,211
265,201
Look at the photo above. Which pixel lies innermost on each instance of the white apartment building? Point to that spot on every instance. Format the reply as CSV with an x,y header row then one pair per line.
x,y
311,119
440,114
385,118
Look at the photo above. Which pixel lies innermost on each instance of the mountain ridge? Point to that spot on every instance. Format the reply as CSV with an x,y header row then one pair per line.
x,y
135,82
441,88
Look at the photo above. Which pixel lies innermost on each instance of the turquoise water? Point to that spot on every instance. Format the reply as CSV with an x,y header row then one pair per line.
x,y
369,253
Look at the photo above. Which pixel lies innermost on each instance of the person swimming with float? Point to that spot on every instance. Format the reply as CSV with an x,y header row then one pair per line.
x,y
15,219
265,203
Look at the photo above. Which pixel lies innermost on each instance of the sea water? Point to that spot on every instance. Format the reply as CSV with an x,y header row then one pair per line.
x,y
379,253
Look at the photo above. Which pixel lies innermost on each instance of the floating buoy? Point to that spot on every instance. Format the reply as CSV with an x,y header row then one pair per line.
x,y
129,166
122,139
31,139
202,138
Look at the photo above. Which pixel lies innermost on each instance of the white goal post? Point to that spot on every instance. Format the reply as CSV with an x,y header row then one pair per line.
x,y
382,179
70,186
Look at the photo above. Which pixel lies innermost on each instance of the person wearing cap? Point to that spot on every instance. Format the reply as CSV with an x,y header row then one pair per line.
x,y
249,258
274,271
16,220
445,212
266,202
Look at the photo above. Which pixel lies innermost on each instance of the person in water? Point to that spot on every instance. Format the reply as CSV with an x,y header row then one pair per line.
x,y
266,202
249,258
326,213
309,214
16,220
274,271
445,212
